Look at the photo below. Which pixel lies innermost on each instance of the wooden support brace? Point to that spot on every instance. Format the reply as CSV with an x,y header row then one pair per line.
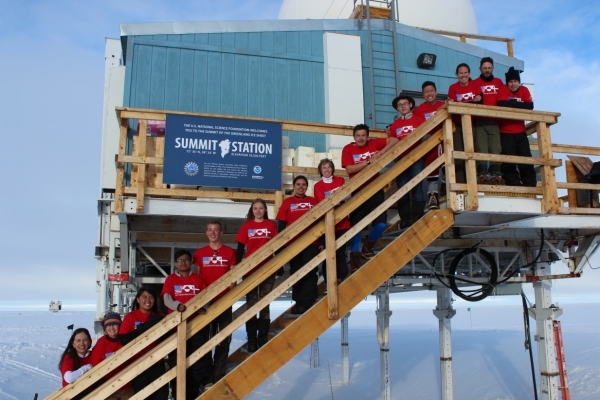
x,y
550,200
121,167
450,165
509,48
181,359
332,284
472,201
141,173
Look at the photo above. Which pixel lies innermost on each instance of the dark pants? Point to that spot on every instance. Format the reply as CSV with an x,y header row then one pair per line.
x,y
487,140
200,373
368,206
405,177
517,145
257,293
222,349
304,292
147,377
459,145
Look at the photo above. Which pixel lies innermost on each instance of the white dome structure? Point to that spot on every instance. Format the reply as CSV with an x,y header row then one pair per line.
x,y
448,15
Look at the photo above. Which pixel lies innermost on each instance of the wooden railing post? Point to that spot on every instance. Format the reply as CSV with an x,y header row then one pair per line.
x,y
450,169
550,200
181,359
509,48
278,201
571,178
140,181
332,284
121,166
472,201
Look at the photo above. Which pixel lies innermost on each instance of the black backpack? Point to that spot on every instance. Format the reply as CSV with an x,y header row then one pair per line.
x,y
594,175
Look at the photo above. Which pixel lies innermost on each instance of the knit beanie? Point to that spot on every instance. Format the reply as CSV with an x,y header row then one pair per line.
x,y
513,74
111,318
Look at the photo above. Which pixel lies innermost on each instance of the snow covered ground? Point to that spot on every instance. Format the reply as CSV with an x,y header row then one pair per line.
x,y
489,359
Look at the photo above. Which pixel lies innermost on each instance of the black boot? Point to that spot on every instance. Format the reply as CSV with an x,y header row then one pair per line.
x,y
404,213
264,325
251,326
418,210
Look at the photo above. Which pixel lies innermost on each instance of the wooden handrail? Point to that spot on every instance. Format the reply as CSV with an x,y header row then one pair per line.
x,y
464,36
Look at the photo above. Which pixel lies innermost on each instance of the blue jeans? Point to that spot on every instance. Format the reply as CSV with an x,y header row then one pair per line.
x,y
403,178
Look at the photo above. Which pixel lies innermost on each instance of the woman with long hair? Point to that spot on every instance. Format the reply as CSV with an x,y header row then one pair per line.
x,y
76,359
254,233
144,315
304,292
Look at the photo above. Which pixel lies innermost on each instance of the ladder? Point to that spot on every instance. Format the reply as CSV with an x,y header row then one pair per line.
x,y
562,363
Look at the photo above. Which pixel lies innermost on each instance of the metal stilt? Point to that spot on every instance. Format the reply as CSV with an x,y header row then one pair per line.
x,y
345,350
444,312
383,337
314,354
545,313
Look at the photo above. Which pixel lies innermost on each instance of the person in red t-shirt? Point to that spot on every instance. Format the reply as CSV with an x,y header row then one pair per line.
x,y
410,206
356,156
143,316
304,292
179,288
106,346
487,134
254,233
323,189
76,359
466,91
214,261
512,132
431,186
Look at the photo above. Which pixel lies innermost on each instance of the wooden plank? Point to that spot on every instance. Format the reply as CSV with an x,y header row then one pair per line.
x,y
579,210
582,164
310,170
154,386
310,325
580,186
468,35
550,199
502,112
181,359
571,149
140,181
471,201
299,126
463,38
332,285
507,159
450,167
139,160
118,205
462,187
193,193
278,201
509,49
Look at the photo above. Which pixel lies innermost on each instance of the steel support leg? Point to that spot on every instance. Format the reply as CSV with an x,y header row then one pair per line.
x,y
383,337
314,354
444,312
345,350
544,313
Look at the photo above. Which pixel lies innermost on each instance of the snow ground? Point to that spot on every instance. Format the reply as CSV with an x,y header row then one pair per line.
x,y
489,359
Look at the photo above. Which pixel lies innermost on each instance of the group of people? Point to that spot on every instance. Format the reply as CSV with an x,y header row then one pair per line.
x,y
495,136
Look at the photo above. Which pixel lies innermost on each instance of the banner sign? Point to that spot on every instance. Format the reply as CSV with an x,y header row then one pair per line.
x,y
204,151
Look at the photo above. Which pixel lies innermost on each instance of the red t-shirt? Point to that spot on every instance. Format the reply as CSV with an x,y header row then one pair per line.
x,y
511,126
401,128
352,154
183,289
293,208
103,349
464,94
131,322
427,110
68,364
213,265
324,190
489,90
253,235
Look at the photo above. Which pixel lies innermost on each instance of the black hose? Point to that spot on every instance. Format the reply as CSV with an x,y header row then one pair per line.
x,y
528,343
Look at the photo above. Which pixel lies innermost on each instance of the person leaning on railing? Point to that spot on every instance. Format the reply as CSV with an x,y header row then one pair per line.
x,y
512,132
304,292
464,91
356,156
76,359
411,205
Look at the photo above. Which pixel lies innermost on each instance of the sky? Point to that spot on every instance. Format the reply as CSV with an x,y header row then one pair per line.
x,y
52,73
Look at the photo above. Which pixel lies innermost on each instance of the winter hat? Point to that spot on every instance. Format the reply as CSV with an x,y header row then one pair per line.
x,y
513,74
111,318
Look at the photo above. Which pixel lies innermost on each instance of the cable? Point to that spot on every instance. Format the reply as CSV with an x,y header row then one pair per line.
x,y
528,342
527,265
329,8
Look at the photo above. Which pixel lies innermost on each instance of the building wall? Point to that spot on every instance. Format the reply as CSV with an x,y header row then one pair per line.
x,y
274,69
